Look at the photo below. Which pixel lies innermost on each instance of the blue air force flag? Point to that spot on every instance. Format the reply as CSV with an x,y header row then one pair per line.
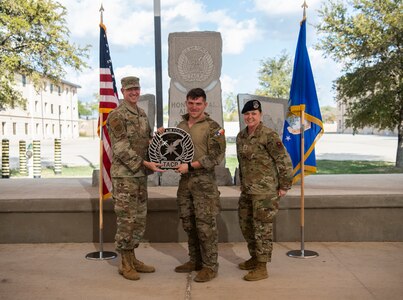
x,y
302,98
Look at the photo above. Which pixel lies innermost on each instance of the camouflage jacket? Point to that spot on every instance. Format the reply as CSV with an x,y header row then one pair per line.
x,y
208,140
264,163
130,133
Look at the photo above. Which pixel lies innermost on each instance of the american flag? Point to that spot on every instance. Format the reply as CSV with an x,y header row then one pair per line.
x,y
108,101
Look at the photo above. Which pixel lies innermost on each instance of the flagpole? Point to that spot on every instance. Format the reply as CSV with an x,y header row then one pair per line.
x,y
302,253
158,63
101,254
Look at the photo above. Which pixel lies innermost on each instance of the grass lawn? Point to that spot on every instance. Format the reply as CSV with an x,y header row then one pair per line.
x,y
339,166
323,167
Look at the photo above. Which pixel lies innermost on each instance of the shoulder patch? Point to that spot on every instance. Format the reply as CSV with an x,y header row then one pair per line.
x,y
116,125
219,132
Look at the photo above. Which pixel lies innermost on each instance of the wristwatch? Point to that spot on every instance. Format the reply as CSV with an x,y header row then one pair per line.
x,y
190,168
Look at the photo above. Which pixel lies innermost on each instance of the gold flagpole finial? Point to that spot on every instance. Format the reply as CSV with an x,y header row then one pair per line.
x,y
304,6
102,13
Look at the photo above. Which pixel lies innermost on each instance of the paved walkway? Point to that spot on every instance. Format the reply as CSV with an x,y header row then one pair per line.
x,y
341,271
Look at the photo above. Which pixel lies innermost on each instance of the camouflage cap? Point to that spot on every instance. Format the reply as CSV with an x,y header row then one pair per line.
x,y
130,82
252,105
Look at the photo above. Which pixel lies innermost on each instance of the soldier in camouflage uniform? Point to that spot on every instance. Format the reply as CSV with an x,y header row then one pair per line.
x,y
266,175
198,197
130,134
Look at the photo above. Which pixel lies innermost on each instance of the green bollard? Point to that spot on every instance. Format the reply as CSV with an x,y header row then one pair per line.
x,y
58,157
23,158
37,159
5,158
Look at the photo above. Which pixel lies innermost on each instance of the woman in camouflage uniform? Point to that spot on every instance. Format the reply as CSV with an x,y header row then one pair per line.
x,y
266,175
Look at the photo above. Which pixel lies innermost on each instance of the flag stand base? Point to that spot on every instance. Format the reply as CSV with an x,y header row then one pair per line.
x,y
302,254
101,255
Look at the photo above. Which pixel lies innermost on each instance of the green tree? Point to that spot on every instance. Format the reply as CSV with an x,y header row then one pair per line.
x,y
366,37
328,114
83,110
230,108
275,76
34,43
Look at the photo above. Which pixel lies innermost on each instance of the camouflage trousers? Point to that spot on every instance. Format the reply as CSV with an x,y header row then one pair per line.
x,y
130,200
256,213
198,202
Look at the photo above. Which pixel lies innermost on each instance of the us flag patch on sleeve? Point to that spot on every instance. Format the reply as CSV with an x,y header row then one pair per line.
x,y
220,132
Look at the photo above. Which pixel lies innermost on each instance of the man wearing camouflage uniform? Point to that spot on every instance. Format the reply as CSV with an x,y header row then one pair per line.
x,y
130,134
266,175
198,197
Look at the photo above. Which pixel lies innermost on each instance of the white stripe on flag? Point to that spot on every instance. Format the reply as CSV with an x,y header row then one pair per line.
x,y
108,149
107,180
106,85
108,98
104,71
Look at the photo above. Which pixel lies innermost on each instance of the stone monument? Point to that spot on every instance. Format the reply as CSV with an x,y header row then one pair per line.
x,y
147,103
274,111
194,61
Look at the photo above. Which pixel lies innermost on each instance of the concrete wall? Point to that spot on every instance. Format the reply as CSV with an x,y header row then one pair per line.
x,y
74,216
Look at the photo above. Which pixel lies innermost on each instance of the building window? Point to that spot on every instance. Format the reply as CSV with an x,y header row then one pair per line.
x,y
59,90
36,106
46,108
51,87
45,86
26,128
46,129
3,128
53,129
14,128
51,109
24,80
37,128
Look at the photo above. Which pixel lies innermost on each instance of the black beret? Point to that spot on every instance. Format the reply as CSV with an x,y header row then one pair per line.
x,y
252,105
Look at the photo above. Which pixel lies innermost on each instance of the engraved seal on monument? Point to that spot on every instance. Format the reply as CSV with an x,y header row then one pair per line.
x,y
171,148
195,64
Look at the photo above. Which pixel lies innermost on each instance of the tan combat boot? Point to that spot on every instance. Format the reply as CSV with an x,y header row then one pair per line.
x,y
260,272
206,274
249,264
126,269
188,267
140,266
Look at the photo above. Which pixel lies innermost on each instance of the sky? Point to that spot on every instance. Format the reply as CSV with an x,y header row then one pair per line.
x,y
251,30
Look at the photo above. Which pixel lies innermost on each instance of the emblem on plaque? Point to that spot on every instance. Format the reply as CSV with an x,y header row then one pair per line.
x,y
171,148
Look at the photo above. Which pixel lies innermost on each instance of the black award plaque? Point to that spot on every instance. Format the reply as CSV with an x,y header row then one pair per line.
x,y
171,148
